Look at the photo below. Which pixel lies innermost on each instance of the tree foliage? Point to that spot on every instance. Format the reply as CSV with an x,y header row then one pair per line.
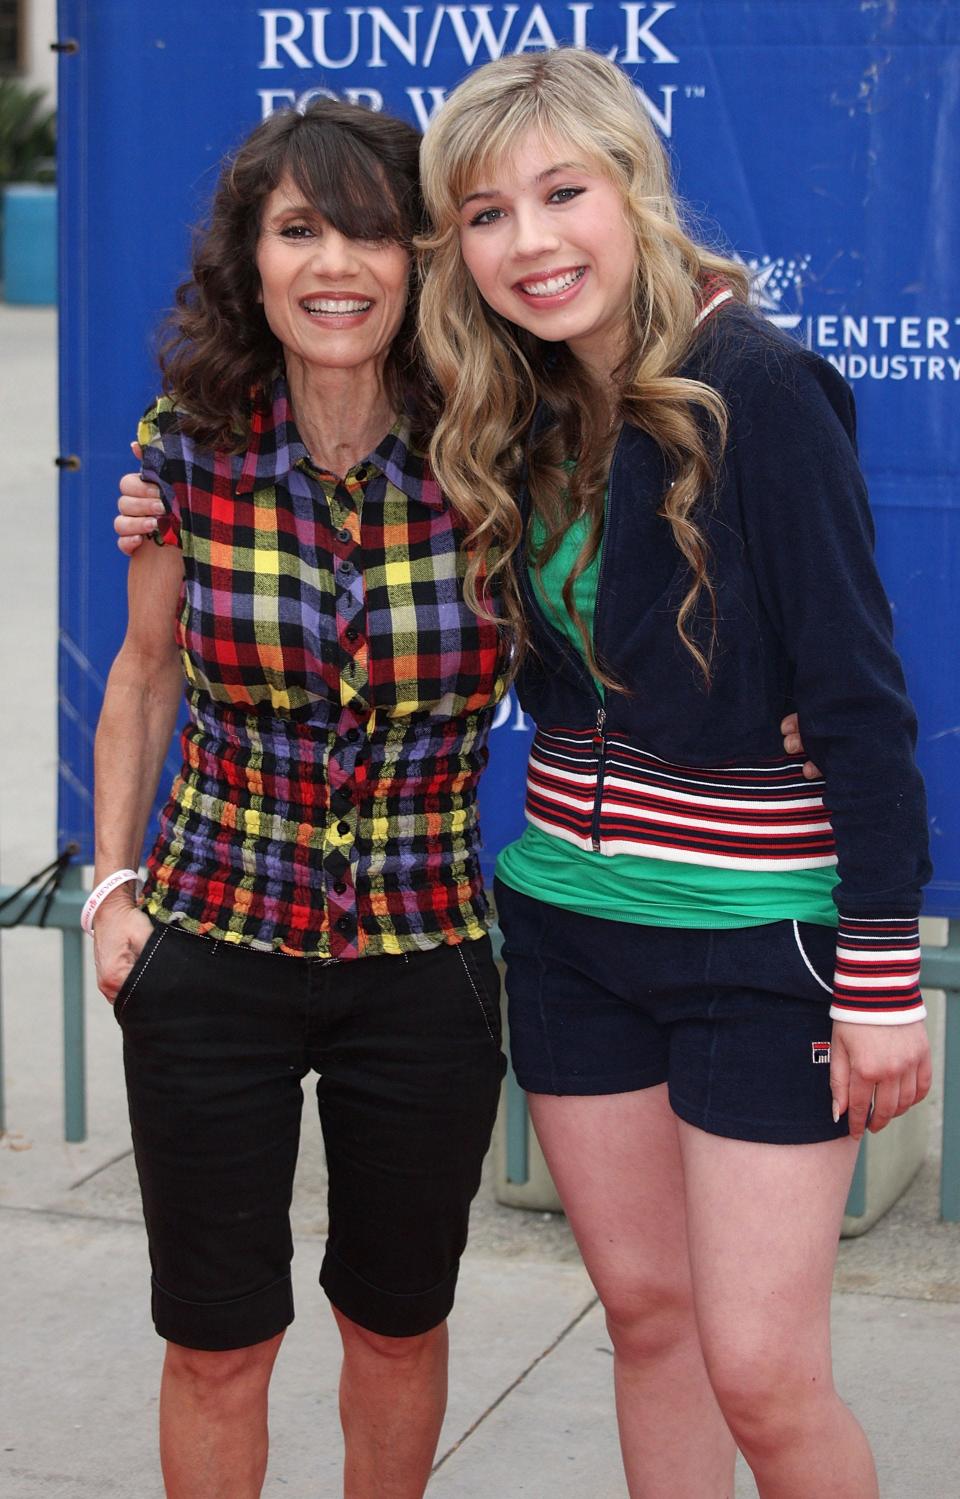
x,y
28,135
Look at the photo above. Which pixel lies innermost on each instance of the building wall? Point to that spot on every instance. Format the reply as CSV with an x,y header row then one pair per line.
x,y
39,21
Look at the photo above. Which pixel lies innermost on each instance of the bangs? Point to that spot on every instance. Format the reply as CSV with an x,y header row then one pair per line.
x,y
343,180
480,159
474,159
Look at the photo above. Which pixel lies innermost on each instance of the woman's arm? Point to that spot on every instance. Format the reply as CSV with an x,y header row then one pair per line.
x,y
133,736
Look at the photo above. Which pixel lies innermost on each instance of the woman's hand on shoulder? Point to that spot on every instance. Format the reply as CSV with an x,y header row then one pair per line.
x,y
886,1065
119,933
139,506
793,745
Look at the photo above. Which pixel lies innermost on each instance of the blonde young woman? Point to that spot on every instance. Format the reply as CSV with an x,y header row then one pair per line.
x,y
712,961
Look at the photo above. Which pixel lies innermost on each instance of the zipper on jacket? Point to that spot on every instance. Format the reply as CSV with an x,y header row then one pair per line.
x,y
600,745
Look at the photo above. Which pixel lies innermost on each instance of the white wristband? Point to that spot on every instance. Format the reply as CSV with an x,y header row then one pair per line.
x,y
96,897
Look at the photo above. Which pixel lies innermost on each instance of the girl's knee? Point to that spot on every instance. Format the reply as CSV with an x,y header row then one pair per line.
x,y
647,1321
768,1399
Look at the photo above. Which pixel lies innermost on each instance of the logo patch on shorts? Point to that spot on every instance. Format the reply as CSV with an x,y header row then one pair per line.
x,y
821,1051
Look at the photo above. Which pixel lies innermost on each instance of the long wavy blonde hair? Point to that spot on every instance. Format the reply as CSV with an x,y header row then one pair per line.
x,y
491,374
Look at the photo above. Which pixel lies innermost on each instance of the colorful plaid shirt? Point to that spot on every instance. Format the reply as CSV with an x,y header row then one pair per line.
x,y
340,693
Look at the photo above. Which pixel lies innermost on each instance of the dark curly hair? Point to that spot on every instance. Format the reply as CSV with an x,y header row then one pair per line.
x,y
360,170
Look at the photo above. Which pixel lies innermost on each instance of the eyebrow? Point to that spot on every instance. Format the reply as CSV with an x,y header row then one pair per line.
x,y
297,210
492,192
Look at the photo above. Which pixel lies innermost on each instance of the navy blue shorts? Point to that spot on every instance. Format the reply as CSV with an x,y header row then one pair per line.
x,y
735,1022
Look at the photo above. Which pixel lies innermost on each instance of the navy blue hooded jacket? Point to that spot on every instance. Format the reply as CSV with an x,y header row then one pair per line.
x,y
679,770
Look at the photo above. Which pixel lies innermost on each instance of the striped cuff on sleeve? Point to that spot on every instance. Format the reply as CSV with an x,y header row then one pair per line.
x,y
877,975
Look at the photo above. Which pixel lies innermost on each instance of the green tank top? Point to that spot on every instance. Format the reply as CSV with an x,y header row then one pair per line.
x,y
635,887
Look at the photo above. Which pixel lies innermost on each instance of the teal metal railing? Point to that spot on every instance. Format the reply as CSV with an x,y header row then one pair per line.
x,y
941,970
61,911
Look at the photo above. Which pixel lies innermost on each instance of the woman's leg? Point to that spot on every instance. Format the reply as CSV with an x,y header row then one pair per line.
x,y
393,1393
410,1069
763,1226
616,1163
213,1049
213,1420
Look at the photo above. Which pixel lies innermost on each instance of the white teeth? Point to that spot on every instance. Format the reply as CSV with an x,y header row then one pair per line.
x,y
553,284
336,305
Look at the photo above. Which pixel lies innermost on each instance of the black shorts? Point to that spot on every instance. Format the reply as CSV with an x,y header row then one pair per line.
x,y
216,1040
736,1022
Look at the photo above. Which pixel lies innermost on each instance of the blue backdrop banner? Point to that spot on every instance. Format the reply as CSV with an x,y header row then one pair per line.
x,y
823,140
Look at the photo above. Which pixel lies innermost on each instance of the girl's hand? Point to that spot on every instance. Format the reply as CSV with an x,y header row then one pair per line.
x,y
888,1065
119,933
793,745
139,505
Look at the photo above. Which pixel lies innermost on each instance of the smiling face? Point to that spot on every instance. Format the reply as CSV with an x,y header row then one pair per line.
x,y
547,241
334,303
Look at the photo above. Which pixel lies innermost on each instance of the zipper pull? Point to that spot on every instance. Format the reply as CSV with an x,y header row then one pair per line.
x,y
600,751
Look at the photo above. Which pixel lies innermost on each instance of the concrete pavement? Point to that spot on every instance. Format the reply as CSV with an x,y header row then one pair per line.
x,y
531,1409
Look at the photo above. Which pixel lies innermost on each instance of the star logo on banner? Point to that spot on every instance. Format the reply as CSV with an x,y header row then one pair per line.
x,y
770,278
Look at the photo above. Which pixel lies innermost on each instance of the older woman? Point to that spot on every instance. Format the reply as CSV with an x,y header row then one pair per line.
x,y
313,900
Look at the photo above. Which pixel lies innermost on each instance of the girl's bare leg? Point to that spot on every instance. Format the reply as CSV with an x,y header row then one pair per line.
x,y
763,1224
616,1162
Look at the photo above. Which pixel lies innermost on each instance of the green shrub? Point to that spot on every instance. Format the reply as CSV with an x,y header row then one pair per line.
x,y
28,137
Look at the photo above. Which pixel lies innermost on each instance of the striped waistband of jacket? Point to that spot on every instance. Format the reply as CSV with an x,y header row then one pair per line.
x,y
603,793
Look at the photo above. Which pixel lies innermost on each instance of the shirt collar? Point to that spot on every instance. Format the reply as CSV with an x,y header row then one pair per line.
x,y
406,466
275,449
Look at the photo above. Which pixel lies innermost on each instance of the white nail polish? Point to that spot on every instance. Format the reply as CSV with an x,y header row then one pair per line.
x,y
835,1108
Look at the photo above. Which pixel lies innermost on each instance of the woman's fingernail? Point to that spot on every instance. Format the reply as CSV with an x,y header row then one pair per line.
x,y
835,1110
157,507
